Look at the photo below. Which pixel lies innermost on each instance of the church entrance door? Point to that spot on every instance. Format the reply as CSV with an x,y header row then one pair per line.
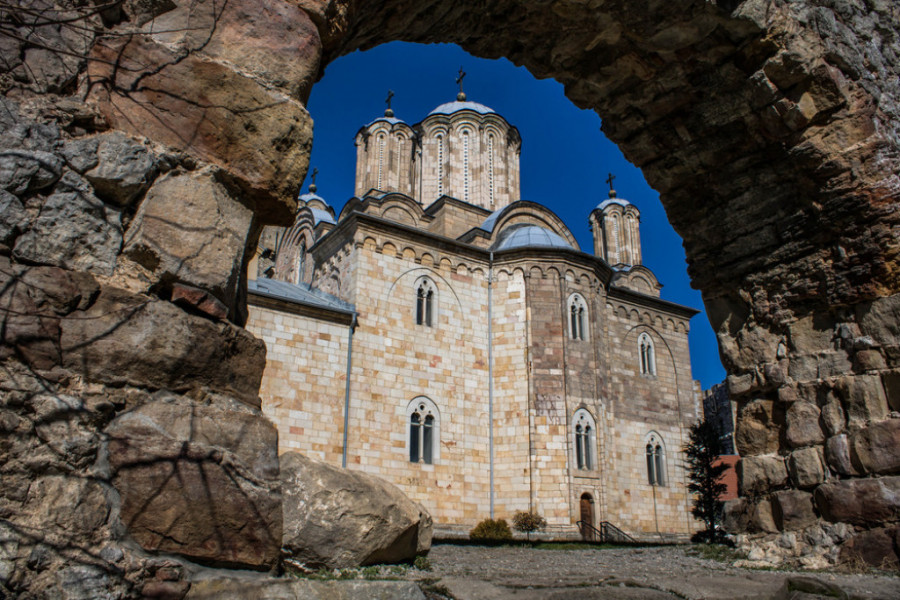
x,y
587,518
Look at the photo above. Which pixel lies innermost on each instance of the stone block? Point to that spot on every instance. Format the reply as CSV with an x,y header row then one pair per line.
x,y
762,519
837,456
760,474
862,502
803,368
736,516
868,360
757,427
877,447
880,320
878,548
26,171
124,168
811,334
806,468
73,230
739,384
863,399
891,383
199,480
262,137
204,246
802,419
793,510
833,418
132,339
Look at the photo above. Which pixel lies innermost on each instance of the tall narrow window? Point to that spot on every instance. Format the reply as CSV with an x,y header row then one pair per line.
x,y
655,454
424,431
380,158
577,317
440,166
617,240
426,299
491,168
647,355
465,137
651,465
583,428
300,258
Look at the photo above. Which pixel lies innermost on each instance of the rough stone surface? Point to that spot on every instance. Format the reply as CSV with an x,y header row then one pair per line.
x,y
377,524
863,399
837,455
138,340
287,589
124,168
793,509
759,474
199,479
757,427
204,246
74,229
877,447
803,428
806,467
763,517
877,547
860,501
25,171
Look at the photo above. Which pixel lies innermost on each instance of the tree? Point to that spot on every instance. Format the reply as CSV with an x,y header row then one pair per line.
x,y
703,449
526,522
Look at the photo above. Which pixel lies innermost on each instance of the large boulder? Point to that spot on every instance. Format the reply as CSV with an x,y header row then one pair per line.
x,y
199,478
863,502
337,518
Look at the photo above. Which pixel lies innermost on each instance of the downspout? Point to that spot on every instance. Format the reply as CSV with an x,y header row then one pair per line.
x,y
490,283
352,327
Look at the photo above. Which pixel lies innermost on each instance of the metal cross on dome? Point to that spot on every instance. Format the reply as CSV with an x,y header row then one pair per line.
x,y
388,99
609,180
459,79
314,173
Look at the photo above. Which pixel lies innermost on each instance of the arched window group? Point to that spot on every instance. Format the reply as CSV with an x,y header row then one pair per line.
x,y
585,440
425,302
424,432
656,461
577,317
647,354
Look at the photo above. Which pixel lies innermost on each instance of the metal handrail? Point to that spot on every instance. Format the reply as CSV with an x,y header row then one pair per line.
x,y
606,533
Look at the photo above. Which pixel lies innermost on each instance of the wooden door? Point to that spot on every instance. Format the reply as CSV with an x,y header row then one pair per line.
x,y
587,518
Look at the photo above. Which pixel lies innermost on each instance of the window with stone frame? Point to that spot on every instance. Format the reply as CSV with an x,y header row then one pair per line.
x,y
655,454
584,432
423,442
426,302
577,317
647,354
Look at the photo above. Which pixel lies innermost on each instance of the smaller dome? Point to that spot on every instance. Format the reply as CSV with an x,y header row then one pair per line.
x,y
609,201
448,108
530,236
391,120
320,215
309,197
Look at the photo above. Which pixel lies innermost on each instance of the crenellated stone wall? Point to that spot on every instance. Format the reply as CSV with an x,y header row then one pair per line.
x,y
769,128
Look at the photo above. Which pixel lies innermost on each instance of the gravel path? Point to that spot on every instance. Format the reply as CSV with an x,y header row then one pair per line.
x,y
482,573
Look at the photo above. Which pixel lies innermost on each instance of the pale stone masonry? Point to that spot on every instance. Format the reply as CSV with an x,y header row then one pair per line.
x,y
493,365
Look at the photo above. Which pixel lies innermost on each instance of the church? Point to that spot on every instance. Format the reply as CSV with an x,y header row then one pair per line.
x,y
455,340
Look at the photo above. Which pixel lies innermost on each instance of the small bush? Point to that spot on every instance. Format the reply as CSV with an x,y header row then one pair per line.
x,y
422,563
490,530
526,522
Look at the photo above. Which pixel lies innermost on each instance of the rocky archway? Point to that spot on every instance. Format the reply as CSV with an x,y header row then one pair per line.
x,y
142,154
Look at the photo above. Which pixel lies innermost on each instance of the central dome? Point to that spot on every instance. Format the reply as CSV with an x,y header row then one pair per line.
x,y
530,236
448,108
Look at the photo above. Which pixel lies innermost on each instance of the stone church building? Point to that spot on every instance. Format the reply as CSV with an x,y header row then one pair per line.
x,y
448,336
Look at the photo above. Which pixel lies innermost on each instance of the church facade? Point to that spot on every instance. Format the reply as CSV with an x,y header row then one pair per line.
x,y
455,340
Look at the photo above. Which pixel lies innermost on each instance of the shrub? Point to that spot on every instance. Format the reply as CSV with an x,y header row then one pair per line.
x,y
490,530
526,522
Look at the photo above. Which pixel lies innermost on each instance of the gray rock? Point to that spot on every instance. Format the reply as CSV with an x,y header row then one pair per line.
x,y
199,479
802,419
759,474
877,447
806,468
12,216
81,153
74,230
762,518
377,524
833,417
288,589
793,510
736,515
124,168
863,399
26,171
837,455
861,502
880,320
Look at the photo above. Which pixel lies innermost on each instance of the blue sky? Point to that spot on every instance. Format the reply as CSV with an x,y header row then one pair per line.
x,y
565,157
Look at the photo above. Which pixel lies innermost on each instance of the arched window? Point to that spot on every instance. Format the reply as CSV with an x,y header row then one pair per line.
x,y
301,256
424,431
647,354
465,137
616,239
380,159
655,454
426,302
440,165
491,168
584,428
577,317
